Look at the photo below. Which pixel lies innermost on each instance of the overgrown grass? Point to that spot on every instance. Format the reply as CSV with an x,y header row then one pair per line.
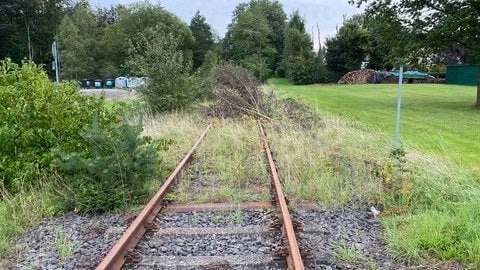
x,y
179,130
227,163
438,119
327,163
25,209
430,205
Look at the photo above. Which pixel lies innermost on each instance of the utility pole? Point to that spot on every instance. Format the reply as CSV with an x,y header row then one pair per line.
x,y
55,65
319,39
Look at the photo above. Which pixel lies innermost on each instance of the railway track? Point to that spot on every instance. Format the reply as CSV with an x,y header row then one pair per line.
x,y
257,235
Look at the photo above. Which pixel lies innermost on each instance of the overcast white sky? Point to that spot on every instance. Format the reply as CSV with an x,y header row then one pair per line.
x,y
328,14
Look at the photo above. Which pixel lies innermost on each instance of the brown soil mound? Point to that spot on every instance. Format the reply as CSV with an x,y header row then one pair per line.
x,y
358,77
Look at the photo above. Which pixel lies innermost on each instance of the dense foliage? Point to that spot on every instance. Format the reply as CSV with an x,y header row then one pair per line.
x,y
427,31
255,37
202,32
347,50
77,45
170,85
112,171
448,24
97,43
298,57
27,28
46,132
36,117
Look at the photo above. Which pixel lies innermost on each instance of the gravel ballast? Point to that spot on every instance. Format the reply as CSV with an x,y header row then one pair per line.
x,y
81,241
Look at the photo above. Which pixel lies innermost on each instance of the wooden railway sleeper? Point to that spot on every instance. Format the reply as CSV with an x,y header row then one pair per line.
x,y
273,199
133,256
165,203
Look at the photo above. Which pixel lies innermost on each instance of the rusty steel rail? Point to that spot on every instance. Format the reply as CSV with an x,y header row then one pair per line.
x,y
294,258
122,249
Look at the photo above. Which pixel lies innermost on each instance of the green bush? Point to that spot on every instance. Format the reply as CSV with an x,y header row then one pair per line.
x,y
113,171
37,116
158,57
300,70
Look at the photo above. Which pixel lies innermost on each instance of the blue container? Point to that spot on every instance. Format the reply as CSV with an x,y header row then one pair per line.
x,y
109,83
86,83
98,83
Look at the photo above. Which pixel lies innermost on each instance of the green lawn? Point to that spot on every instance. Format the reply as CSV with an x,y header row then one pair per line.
x,y
436,118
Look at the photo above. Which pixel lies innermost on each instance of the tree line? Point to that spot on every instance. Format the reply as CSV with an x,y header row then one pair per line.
x,y
108,42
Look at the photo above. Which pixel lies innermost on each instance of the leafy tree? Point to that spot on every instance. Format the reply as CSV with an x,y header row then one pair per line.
x,y
203,35
70,50
255,37
107,16
77,45
448,22
299,61
276,18
321,73
250,44
387,40
114,53
27,28
348,48
131,25
158,57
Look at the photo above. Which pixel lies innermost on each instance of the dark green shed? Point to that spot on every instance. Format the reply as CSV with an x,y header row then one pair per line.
x,y
462,74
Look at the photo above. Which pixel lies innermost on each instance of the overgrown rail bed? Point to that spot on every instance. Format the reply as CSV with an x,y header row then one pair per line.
x,y
229,168
214,233
123,251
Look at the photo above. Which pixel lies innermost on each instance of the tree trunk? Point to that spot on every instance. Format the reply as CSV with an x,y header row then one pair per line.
x,y
477,104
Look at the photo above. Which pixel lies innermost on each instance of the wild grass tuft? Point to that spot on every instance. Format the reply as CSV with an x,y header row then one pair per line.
x,y
24,210
179,130
62,245
348,253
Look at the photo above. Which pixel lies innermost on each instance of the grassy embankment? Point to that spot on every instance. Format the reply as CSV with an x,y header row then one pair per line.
x,y
431,197
437,119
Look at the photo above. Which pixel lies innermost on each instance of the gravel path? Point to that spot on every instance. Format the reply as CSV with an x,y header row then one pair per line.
x,y
80,241
109,93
